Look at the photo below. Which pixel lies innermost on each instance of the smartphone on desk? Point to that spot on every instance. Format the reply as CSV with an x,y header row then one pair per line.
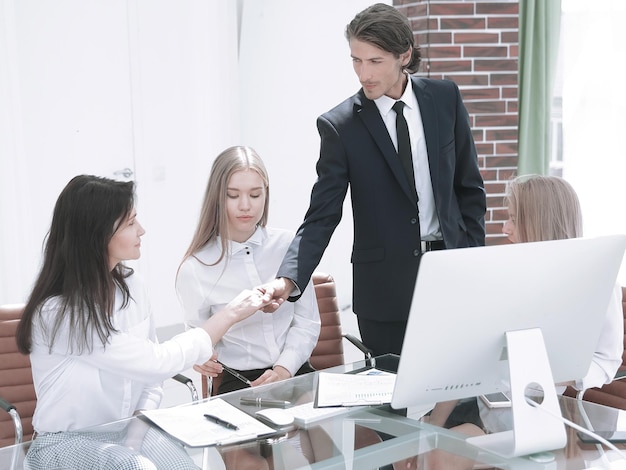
x,y
496,400
615,437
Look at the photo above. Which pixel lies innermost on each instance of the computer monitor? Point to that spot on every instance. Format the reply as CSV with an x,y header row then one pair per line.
x,y
474,322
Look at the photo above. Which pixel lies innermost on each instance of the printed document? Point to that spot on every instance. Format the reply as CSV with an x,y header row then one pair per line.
x,y
372,387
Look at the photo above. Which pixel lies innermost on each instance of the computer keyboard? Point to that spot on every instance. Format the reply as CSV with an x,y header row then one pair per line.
x,y
306,414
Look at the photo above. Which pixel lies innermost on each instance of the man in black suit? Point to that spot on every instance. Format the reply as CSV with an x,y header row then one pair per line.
x,y
397,215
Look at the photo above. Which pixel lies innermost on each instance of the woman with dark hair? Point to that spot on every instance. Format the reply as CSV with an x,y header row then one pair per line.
x,y
91,336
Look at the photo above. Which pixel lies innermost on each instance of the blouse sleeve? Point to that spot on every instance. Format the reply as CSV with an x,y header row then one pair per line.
x,y
303,332
190,293
608,355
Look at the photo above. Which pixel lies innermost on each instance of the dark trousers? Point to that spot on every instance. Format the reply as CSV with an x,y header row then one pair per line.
x,y
382,337
230,382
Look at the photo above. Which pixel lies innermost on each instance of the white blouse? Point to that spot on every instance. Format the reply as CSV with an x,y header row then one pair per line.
x,y
75,391
285,337
608,355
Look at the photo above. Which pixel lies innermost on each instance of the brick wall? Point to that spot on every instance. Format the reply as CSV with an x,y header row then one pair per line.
x,y
475,44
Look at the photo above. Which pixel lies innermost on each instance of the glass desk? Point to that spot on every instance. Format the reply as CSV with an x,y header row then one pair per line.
x,y
330,442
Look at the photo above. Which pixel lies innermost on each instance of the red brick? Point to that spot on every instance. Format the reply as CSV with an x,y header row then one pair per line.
x,y
502,134
478,135
506,148
509,92
481,93
504,22
485,107
498,161
447,9
443,66
489,174
433,38
500,79
424,24
445,52
495,65
463,23
495,187
512,106
485,149
511,37
473,79
497,8
485,51
476,38
506,175
412,11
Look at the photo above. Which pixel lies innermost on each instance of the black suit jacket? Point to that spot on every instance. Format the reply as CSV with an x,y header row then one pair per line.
x,y
357,151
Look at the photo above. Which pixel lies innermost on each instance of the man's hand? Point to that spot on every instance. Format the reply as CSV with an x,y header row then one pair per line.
x,y
278,290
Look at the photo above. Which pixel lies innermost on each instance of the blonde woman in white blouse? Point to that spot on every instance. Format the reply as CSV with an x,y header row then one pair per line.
x,y
233,249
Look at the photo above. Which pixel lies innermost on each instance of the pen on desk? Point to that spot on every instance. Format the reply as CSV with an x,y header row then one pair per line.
x,y
221,422
234,373
258,401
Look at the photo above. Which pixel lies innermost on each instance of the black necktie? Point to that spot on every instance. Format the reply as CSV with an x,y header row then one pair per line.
x,y
404,145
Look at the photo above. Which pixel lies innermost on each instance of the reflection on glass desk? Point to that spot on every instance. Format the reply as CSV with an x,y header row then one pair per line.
x,y
352,440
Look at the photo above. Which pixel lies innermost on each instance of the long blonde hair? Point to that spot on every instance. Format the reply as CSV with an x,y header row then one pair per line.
x,y
545,207
213,221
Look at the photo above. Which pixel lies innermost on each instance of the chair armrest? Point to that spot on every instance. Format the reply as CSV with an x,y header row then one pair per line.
x,y
621,374
183,379
17,421
357,342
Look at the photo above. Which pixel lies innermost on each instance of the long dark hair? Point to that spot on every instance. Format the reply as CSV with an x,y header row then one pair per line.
x,y
76,263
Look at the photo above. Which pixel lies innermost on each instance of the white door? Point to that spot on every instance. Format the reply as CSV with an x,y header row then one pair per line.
x,y
66,110
130,89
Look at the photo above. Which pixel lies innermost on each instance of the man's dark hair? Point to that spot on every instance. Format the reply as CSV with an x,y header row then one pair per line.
x,y
385,27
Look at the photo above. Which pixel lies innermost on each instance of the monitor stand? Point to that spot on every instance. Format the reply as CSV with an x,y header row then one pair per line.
x,y
534,429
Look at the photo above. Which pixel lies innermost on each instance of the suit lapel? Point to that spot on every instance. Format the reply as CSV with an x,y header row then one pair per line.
x,y
428,112
368,112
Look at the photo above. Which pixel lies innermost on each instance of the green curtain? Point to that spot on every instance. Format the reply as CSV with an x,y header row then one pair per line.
x,y
539,24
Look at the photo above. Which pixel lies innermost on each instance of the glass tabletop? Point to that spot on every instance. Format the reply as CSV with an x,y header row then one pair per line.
x,y
359,438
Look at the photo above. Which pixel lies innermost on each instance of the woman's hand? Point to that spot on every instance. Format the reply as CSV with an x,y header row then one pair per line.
x,y
210,368
276,374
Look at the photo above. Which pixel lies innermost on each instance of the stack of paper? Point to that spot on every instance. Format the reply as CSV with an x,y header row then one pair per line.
x,y
189,425
373,387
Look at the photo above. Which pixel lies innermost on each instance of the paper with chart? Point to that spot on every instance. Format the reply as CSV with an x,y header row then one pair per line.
x,y
372,387
188,424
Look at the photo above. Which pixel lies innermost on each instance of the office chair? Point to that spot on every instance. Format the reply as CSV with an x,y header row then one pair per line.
x,y
17,392
612,394
328,351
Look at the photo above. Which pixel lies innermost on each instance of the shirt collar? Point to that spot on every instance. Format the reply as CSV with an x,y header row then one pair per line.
x,y
385,103
257,238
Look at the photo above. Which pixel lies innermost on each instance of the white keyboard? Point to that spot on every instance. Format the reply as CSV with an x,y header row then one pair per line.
x,y
306,414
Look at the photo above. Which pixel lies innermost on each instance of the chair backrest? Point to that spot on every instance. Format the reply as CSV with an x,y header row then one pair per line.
x,y
16,379
612,394
329,349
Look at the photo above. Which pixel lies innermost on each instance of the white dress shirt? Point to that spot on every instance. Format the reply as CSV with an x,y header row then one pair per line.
x,y
75,391
429,222
285,337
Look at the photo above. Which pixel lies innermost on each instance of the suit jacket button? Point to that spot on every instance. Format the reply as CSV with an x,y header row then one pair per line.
x,y
416,252
413,221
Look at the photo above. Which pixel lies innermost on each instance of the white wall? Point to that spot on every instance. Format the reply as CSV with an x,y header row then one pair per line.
x,y
162,87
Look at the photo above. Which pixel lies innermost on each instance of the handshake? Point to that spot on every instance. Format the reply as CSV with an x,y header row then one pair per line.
x,y
274,293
